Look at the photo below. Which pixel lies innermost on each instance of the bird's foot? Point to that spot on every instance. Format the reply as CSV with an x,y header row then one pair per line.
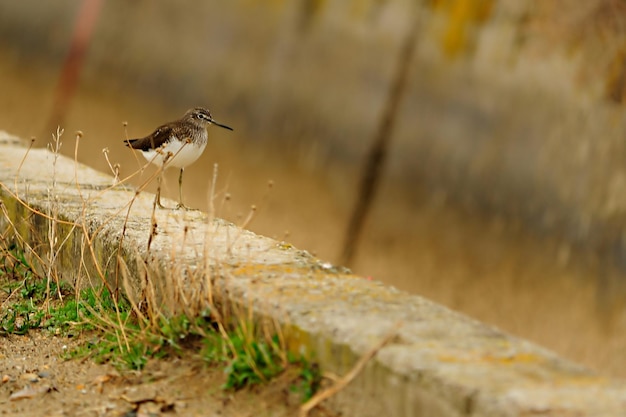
x,y
181,206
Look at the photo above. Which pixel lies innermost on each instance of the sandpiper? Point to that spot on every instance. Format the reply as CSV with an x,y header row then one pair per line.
x,y
176,144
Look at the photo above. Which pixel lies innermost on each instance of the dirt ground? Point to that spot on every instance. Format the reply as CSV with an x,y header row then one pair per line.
x,y
36,381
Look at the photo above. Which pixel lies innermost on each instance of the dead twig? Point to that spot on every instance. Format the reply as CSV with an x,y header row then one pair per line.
x,y
347,378
377,154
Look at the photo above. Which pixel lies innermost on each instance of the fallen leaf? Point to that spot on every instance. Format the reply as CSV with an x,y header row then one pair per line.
x,y
30,392
100,380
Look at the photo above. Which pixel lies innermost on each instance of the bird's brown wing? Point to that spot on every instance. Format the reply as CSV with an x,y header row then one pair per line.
x,y
152,141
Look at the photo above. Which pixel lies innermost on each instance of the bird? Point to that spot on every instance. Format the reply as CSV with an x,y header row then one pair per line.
x,y
176,144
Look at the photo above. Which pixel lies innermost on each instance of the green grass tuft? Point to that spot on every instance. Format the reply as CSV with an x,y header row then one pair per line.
x,y
127,340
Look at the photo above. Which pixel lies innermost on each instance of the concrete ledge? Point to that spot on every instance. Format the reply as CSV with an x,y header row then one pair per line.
x,y
440,364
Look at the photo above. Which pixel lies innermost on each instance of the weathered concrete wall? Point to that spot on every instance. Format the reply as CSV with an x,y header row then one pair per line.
x,y
441,363
514,105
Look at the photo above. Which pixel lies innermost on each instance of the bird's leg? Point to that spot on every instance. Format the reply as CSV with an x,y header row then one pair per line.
x,y
180,192
157,198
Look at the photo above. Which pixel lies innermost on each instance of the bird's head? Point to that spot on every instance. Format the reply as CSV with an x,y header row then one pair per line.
x,y
202,116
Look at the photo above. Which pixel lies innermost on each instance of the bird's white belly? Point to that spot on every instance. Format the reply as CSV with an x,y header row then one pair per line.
x,y
175,154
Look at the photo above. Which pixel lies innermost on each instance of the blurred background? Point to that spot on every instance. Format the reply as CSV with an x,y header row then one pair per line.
x,y
479,142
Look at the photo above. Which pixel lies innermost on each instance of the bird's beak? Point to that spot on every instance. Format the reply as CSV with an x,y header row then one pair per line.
x,y
221,125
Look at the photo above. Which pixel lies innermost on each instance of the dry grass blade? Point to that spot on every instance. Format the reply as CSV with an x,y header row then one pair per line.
x,y
19,168
145,311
